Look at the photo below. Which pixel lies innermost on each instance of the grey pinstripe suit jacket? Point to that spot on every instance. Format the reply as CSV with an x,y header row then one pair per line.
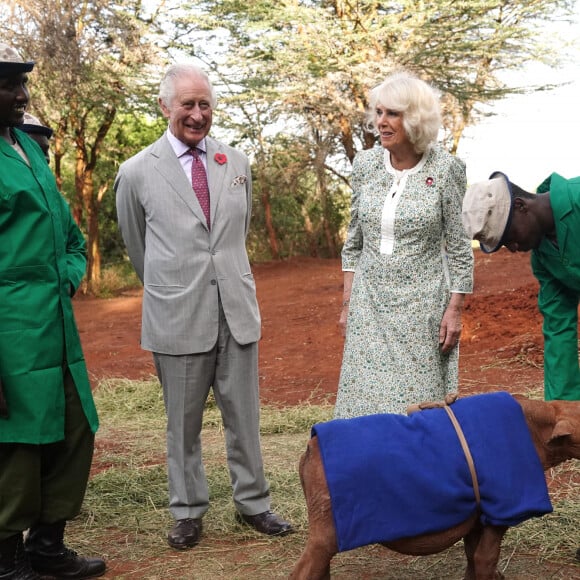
x,y
184,267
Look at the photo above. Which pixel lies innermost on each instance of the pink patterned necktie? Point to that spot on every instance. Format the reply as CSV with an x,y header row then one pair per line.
x,y
199,183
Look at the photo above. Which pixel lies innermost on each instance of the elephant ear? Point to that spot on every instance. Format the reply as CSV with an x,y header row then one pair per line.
x,y
562,428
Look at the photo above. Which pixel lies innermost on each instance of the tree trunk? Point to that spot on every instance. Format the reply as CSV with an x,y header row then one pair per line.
x,y
90,201
330,241
92,226
93,249
77,202
90,208
272,237
310,235
322,188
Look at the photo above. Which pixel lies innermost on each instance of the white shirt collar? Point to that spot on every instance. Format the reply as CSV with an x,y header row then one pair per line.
x,y
180,147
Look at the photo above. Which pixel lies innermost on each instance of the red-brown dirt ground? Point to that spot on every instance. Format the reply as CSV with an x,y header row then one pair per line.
x,y
301,345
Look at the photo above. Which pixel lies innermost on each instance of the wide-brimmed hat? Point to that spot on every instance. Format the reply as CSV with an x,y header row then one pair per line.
x,y
11,62
487,211
33,125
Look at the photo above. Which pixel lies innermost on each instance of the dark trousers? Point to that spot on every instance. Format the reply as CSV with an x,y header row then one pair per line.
x,y
46,483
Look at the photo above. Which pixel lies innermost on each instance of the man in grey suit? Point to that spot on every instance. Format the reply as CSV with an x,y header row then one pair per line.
x,y
184,208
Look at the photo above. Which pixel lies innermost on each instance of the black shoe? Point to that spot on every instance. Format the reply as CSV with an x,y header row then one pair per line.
x,y
45,550
578,554
14,564
267,523
67,564
22,571
185,534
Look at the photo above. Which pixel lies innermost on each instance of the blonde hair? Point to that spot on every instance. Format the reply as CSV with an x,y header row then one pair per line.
x,y
416,100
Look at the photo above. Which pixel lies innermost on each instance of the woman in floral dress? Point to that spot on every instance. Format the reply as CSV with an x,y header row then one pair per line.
x,y
407,260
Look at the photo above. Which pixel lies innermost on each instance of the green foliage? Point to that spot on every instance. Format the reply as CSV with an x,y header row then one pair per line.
x,y
130,133
290,214
116,278
304,213
90,56
299,72
292,77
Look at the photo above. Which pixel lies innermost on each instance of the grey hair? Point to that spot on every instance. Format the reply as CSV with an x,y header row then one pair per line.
x,y
416,100
167,86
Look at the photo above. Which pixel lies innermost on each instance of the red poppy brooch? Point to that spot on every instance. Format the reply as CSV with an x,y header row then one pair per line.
x,y
220,158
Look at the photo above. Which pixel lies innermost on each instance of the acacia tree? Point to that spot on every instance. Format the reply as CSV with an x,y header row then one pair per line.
x,y
90,57
318,59
296,69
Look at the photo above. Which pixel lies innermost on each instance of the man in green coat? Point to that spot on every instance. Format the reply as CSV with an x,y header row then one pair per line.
x,y
499,213
47,414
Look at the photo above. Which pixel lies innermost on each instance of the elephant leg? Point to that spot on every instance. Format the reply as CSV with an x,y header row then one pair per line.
x,y
470,543
487,551
314,564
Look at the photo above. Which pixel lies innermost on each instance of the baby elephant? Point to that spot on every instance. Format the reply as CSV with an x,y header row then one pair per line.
x,y
550,430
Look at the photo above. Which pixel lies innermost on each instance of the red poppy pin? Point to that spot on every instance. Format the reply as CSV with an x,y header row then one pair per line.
x,y
429,181
220,158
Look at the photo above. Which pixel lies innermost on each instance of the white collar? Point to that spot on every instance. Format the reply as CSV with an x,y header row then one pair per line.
x,y
399,173
180,147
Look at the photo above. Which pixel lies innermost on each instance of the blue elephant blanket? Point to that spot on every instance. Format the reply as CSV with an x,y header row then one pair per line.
x,y
393,477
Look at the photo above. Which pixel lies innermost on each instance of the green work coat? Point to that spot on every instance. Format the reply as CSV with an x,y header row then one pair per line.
x,y
42,262
558,271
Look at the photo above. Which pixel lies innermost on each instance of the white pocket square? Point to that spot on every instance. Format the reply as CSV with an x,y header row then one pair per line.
x,y
239,180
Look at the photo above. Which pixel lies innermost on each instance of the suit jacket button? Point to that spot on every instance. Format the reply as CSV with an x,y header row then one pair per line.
x,y
213,282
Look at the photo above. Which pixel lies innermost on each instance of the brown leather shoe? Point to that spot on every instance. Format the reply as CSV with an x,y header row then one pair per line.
x,y
267,523
185,534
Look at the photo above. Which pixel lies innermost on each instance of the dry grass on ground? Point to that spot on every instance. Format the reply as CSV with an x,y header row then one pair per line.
x,y
125,516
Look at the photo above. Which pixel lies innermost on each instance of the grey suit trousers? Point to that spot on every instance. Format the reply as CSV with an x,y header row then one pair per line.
x,y
231,370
